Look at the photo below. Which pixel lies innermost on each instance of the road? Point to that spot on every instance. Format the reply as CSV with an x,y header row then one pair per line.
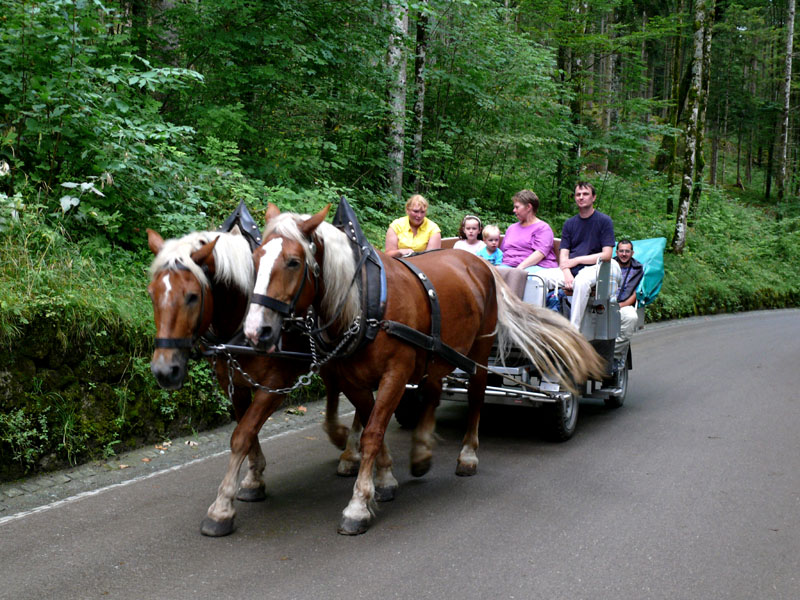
x,y
691,490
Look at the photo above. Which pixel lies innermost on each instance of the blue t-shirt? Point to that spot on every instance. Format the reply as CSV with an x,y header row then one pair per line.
x,y
496,257
587,236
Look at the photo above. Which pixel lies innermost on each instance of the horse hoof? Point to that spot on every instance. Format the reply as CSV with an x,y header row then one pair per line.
x,y
385,494
466,469
353,526
213,528
258,494
347,469
418,469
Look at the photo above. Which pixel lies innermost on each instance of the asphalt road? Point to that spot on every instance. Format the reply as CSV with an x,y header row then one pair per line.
x,y
691,490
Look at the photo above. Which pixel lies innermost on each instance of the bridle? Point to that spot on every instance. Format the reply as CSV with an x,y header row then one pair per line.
x,y
282,308
187,343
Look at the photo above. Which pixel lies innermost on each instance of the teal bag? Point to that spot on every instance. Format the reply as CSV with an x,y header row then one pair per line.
x,y
650,253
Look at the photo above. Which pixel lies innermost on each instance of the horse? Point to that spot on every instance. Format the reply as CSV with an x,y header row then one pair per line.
x,y
200,286
306,261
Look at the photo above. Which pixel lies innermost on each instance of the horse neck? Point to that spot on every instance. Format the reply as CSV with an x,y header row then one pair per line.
x,y
230,304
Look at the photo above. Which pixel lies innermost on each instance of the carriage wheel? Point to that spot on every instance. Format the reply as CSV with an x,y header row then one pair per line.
x,y
409,410
561,418
617,400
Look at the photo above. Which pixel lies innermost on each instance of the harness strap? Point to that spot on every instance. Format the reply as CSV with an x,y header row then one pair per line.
x,y
432,342
183,343
281,307
271,303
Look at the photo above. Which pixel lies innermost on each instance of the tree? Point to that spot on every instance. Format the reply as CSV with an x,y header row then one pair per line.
x,y
396,64
787,87
703,11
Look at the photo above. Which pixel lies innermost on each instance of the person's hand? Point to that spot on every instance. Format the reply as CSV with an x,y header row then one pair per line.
x,y
568,279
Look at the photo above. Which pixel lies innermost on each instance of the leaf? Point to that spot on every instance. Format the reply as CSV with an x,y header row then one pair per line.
x,y
68,202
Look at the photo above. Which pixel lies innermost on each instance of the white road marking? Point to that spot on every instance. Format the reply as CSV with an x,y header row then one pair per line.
x,y
90,493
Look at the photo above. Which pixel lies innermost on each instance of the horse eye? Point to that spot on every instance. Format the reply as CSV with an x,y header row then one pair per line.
x,y
293,263
191,299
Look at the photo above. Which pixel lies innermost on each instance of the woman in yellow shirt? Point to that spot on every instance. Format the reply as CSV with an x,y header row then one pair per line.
x,y
414,232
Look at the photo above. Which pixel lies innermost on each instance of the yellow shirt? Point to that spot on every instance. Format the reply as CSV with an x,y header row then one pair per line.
x,y
406,238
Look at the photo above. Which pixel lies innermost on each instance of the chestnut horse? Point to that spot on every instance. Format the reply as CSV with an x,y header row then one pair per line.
x,y
476,306
200,285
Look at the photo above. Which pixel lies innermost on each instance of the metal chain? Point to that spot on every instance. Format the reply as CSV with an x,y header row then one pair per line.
x,y
303,380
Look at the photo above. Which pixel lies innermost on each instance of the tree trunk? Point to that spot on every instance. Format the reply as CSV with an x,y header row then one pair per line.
x,y
689,155
712,176
702,103
787,88
419,102
396,64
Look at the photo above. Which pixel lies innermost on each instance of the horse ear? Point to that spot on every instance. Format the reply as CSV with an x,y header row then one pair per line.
x,y
309,226
235,230
204,257
272,212
155,241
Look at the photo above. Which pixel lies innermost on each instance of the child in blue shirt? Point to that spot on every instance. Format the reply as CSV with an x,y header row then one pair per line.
x,y
491,252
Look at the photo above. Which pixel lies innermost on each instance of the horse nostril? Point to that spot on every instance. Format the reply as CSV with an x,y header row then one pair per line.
x,y
175,373
265,335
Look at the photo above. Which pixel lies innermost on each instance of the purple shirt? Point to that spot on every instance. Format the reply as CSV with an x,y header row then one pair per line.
x,y
520,242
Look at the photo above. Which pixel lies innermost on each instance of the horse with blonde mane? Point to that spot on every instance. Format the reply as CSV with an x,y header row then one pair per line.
x,y
307,263
200,288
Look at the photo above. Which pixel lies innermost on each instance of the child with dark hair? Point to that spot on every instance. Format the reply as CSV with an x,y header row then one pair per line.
x,y
470,234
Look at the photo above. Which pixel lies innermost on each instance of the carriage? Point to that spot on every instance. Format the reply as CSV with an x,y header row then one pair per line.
x,y
515,381
319,293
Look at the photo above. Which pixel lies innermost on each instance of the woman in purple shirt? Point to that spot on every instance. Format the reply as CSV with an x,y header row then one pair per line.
x,y
528,244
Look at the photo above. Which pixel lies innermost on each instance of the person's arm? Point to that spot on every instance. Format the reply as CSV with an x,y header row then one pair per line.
x,y
435,241
391,244
628,301
534,258
588,259
563,260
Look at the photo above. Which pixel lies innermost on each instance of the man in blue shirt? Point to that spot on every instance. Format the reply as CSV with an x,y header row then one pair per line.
x,y
586,240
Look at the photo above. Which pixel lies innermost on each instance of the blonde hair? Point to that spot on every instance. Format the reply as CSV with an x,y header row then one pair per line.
x,y
491,231
417,199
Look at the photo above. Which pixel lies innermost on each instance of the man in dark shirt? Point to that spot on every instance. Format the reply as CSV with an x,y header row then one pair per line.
x,y
587,239
631,273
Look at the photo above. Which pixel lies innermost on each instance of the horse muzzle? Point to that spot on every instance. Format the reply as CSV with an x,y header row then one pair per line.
x,y
169,369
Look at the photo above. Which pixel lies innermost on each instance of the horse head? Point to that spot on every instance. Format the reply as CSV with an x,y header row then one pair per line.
x,y
287,271
182,305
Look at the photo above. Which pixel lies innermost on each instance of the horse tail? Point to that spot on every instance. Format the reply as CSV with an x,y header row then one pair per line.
x,y
554,346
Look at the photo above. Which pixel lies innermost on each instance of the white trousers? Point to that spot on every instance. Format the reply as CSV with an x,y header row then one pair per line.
x,y
628,317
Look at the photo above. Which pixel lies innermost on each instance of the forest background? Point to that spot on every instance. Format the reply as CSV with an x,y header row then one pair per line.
x,y
129,114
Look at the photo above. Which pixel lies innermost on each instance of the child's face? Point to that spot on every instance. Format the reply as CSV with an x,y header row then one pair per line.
x,y
491,241
471,228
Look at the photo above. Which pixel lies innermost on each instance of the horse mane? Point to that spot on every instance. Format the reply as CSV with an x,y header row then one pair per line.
x,y
232,257
338,268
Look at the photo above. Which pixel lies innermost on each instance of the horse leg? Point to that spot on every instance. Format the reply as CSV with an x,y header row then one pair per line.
x,y
468,458
337,433
357,515
219,519
423,438
252,488
351,457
